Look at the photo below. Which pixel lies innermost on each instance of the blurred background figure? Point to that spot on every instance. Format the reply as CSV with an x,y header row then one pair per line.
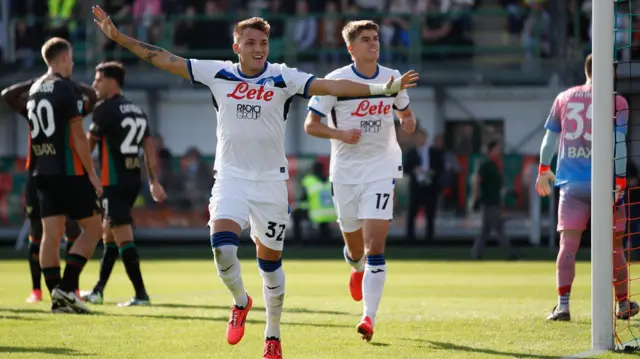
x,y
316,203
487,196
425,166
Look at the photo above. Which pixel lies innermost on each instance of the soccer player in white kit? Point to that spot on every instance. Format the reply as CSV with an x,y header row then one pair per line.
x,y
252,99
365,162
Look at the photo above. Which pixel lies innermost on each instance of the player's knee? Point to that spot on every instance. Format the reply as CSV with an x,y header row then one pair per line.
x,y
91,227
53,228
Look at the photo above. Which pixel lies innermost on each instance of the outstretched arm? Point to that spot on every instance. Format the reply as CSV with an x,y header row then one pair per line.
x,y
16,95
157,56
348,88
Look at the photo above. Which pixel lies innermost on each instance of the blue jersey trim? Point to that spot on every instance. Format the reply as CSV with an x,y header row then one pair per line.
x,y
190,71
306,87
317,112
360,75
266,64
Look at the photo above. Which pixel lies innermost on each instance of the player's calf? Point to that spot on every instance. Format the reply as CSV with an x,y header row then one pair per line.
x,y
375,232
34,268
53,227
273,289
354,256
123,236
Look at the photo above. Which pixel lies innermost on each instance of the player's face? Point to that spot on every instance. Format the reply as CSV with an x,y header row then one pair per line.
x,y
252,48
366,46
100,83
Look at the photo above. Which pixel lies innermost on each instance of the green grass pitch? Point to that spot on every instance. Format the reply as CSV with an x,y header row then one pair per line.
x,y
430,309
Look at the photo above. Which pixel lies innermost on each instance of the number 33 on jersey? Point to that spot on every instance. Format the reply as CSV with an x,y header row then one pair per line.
x,y
121,128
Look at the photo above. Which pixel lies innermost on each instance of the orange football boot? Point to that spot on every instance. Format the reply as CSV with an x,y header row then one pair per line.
x,y
365,328
35,297
355,285
235,327
272,349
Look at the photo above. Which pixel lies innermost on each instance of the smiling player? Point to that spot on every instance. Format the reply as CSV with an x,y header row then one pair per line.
x,y
365,161
252,99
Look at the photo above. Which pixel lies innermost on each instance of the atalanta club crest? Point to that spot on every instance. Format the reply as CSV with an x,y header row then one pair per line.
x,y
269,82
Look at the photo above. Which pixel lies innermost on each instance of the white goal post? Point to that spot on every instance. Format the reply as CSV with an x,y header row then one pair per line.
x,y
602,331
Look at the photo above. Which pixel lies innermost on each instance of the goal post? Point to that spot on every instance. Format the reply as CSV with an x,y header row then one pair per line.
x,y
602,304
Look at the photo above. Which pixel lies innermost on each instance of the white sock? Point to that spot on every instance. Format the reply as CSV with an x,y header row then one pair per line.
x,y
226,259
563,302
273,280
358,265
373,283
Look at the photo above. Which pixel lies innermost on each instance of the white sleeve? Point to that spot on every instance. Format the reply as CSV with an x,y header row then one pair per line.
x,y
322,105
204,71
402,99
297,81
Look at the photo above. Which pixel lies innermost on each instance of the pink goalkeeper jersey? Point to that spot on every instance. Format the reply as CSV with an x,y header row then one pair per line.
x,y
571,117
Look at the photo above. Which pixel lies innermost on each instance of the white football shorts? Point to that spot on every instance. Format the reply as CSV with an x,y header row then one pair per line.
x,y
357,202
263,205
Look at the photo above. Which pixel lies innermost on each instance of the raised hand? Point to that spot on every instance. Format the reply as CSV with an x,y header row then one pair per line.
x,y
409,79
103,20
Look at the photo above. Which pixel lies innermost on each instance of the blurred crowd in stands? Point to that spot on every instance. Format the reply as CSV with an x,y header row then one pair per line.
x,y
187,25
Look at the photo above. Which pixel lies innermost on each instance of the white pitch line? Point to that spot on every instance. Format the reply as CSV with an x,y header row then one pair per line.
x,y
587,354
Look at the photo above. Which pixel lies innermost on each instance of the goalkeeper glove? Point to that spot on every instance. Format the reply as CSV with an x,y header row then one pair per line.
x,y
544,180
621,187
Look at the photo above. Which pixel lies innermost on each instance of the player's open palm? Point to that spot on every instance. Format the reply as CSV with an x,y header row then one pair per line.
x,y
544,183
157,192
351,136
103,20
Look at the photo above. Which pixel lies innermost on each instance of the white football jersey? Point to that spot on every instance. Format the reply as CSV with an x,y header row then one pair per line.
x,y
251,115
378,154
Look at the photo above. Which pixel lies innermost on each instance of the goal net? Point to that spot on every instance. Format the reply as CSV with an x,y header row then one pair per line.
x,y
626,15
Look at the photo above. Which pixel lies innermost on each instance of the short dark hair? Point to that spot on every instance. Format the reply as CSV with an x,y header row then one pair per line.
x,y
53,48
113,70
588,65
491,145
352,29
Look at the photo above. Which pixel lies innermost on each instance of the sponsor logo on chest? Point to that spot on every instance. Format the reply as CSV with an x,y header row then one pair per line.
x,y
254,97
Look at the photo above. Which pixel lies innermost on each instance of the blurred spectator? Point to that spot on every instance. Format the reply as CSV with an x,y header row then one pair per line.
x,y
306,28
316,203
441,29
394,30
61,21
196,178
330,34
146,13
536,33
26,44
516,13
121,13
186,32
450,175
577,30
425,166
370,5
213,22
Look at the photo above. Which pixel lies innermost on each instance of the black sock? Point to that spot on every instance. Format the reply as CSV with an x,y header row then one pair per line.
x,y
51,277
71,277
34,263
109,257
132,266
70,242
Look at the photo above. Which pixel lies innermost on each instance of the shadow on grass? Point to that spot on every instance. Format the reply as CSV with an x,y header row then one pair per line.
x,y
179,317
377,344
464,348
53,351
221,307
16,317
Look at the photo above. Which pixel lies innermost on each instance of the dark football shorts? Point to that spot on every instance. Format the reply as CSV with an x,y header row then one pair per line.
x,y
117,202
71,196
